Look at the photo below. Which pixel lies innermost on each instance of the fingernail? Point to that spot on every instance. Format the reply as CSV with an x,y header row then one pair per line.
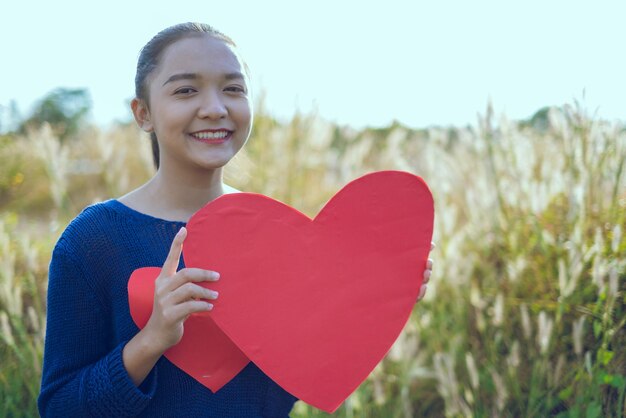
x,y
215,275
214,294
209,306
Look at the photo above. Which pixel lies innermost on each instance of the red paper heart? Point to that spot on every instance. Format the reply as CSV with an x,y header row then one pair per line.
x,y
316,304
204,352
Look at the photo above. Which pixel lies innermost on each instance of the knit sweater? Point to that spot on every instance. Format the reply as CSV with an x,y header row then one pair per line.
x,y
89,323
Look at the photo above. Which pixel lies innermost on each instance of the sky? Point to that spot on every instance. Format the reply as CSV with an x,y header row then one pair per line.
x,y
353,62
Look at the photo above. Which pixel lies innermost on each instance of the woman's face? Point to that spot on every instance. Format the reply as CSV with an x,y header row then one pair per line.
x,y
199,104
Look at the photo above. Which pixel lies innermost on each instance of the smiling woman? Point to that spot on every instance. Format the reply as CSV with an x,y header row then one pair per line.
x,y
193,98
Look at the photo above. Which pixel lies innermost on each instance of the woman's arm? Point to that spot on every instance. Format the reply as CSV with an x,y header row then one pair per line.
x,y
82,375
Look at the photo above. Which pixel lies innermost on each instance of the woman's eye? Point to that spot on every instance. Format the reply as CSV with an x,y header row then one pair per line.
x,y
184,90
235,89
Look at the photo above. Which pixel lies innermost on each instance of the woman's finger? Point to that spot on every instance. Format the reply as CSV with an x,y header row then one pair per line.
x,y
193,275
183,310
191,291
422,292
173,257
427,274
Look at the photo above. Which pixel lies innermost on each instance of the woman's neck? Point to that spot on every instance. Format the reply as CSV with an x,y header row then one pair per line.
x,y
175,197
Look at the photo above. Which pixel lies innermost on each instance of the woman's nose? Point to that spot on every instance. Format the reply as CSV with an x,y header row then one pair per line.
x,y
212,106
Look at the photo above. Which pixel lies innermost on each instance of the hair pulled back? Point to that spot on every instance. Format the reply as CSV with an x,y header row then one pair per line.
x,y
151,53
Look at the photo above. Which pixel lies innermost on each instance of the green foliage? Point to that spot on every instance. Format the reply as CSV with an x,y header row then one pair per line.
x,y
526,313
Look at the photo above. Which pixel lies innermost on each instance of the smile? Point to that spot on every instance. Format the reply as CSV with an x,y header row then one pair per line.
x,y
212,136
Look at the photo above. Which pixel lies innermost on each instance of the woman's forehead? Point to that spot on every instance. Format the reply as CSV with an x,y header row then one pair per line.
x,y
200,54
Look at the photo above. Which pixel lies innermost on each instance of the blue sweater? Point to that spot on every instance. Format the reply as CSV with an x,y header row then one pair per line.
x,y
89,323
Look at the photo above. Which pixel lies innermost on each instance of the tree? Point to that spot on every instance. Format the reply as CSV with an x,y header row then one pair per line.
x,y
64,109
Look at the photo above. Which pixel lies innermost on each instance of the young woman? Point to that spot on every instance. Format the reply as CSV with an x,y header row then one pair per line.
x,y
192,97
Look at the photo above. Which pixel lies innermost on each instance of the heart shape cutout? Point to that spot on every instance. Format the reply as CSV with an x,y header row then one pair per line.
x,y
316,304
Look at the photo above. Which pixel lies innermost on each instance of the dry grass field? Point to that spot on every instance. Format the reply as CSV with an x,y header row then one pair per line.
x,y
526,314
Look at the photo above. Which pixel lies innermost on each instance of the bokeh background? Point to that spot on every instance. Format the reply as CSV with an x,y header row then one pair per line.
x,y
513,113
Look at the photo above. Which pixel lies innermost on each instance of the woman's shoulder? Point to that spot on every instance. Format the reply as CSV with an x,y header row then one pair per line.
x,y
91,221
96,216
97,222
110,221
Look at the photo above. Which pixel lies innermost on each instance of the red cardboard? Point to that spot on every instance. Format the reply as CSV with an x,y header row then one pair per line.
x,y
316,304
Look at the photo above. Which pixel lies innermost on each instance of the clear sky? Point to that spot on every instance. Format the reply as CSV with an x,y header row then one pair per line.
x,y
356,61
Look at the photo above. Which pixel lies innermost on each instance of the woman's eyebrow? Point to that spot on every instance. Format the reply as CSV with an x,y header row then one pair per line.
x,y
182,76
234,76
193,76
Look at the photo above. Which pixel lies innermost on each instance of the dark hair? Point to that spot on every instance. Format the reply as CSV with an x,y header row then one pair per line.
x,y
151,53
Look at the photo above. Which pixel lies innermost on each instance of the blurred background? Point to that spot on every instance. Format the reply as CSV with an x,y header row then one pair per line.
x,y
513,113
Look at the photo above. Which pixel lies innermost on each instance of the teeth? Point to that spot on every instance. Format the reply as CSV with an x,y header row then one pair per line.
x,y
211,135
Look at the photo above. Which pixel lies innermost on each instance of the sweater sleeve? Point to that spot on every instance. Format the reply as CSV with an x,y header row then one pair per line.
x,y
83,376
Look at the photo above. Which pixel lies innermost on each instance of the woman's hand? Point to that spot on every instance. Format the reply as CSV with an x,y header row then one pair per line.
x,y
427,273
176,296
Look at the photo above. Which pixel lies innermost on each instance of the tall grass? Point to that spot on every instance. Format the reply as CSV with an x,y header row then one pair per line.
x,y
527,308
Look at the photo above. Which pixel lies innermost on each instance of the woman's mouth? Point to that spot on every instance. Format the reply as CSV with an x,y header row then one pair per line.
x,y
212,136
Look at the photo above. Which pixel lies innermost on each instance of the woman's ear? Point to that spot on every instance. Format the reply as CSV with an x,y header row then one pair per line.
x,y
141,114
